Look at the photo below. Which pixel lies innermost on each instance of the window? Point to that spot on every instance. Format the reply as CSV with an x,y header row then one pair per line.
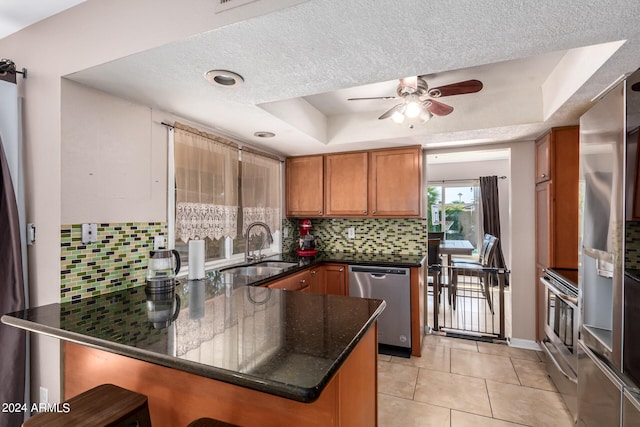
x,y
454,209
219,192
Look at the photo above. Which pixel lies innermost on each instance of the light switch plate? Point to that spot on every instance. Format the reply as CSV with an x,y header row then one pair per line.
x,y
351,232
89,233
159,242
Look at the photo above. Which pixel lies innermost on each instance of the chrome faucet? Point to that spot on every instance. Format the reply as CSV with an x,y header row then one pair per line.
x,y
248,257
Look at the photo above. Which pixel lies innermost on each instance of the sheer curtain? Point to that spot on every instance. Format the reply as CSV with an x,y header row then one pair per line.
x,y
206,171
260,192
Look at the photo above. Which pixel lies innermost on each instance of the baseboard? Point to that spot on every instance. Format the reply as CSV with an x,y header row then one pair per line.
x,y
525,344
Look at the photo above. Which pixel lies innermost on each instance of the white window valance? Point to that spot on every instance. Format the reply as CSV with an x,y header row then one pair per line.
x,y
201,220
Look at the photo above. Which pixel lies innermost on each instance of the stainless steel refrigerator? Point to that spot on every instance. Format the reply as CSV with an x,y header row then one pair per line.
x,y
608,167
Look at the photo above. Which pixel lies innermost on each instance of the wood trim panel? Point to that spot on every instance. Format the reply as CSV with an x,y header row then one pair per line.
x,y
176,397
417,310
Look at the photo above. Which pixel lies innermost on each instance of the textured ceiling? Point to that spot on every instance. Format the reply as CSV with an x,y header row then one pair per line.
x,y
537,61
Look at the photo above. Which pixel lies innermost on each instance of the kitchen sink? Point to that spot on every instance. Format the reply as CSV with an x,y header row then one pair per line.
x,y
277,264
253,270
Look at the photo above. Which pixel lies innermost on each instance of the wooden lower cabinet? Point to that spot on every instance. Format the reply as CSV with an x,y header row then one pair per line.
x,y
335,278
541,312
295,282
316,280
176,398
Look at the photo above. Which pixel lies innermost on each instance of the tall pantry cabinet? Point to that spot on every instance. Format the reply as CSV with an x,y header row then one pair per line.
x,y
557,163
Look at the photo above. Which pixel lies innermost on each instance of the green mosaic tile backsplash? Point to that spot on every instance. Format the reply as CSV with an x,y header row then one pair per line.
x,y
632,242
118,260
392,236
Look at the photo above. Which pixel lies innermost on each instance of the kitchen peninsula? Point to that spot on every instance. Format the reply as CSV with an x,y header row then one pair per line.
x,y
247,355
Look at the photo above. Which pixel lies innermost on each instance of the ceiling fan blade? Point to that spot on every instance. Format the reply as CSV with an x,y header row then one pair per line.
x,y
467,86
437,108
391,110
372,98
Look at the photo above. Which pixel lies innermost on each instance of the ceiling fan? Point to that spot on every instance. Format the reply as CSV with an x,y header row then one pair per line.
x,y
418,99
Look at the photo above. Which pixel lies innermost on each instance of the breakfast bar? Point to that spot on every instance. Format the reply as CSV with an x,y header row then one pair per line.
x,y
246,355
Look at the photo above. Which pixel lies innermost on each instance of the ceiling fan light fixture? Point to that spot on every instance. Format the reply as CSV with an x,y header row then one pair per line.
x,y
412,109
397,117
425,115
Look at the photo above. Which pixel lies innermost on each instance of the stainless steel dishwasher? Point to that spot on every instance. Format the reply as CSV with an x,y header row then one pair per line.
x,y
394,286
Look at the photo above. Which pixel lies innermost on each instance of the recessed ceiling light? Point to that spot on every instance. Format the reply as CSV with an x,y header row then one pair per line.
x,y
264,134
224,78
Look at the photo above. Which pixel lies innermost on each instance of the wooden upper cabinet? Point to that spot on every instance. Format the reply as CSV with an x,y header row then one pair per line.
x,y
394,182
543,161
305,186
557,199
544,224
380,183
346,184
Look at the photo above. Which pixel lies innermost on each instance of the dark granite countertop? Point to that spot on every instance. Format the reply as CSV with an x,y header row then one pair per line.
x,y
289,344
632,273
301,263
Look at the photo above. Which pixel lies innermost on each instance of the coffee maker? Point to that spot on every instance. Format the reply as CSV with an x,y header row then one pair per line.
x,y
306,243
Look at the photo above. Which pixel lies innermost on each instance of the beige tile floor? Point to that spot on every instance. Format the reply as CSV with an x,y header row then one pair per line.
x,y
459,382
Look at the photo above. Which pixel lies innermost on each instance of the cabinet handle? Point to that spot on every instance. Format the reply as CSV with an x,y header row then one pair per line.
x,y
341,270
544,175
374,212
313,272
319,212
364,212
303,281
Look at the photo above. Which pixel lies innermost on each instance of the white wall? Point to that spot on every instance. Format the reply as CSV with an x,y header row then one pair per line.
x,y
87,35
113,170
517,215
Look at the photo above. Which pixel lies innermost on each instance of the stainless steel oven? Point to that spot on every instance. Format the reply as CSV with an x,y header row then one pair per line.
x,y
561,328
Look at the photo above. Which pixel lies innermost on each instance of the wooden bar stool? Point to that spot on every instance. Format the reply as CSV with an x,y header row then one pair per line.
x,y
104,406
209,422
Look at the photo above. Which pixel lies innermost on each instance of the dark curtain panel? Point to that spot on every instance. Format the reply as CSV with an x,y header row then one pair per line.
x,y
12,298
491,216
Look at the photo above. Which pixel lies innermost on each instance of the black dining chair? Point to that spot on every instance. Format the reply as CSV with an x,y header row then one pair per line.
x,y
487,243
480,270
435,235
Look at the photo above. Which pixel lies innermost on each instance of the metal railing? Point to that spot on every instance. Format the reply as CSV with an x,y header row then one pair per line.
x,y
468,301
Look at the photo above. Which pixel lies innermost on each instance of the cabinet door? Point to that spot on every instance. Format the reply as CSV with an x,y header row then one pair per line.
x,y
295,282
543,169
335,278
316,280
346,184
544,223
565,158
394,182
305,183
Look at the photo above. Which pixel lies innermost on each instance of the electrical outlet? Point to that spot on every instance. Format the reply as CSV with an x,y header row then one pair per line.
x,y
44,395
351,232
159,242
89,233
285,232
